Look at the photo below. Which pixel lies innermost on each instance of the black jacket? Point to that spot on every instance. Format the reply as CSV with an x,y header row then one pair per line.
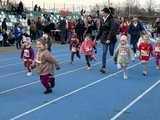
x,y
107,31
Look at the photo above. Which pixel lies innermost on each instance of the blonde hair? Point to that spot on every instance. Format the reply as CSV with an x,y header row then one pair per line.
x,y
43,40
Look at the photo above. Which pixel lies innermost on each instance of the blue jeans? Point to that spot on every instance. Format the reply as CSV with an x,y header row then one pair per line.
x,y
69,36
105,50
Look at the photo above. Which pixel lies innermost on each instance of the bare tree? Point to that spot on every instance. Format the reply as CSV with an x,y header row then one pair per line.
x,y
150,7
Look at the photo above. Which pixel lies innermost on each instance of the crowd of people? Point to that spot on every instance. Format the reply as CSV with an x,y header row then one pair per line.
x,y
132,37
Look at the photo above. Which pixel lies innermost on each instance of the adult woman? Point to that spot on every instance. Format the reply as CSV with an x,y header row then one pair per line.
x,y
107,35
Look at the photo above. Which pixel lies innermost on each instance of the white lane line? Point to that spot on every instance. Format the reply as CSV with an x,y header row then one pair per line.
x,y
58,75
15,73
135,101
69,94
17,63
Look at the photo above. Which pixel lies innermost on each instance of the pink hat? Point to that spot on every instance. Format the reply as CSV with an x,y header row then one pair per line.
x,y
123,37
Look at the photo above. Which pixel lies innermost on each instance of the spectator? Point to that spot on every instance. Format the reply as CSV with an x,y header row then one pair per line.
x,y
4,25
107,35
135,29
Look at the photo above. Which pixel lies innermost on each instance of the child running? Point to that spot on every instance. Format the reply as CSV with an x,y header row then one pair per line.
x,y
27,54
157,53
74,47
45,65
87,48
123,54
144,50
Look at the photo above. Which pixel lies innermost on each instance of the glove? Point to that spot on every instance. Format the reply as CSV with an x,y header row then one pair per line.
x,y
108,41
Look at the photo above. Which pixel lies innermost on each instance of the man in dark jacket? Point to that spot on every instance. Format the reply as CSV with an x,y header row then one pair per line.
x,y
135,29
79,29
107,35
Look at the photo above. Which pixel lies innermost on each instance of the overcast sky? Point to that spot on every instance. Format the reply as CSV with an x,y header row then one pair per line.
x,y
79,3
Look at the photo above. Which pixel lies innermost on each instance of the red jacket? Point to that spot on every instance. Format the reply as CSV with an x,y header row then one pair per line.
x,y
124,28
87,47
145,50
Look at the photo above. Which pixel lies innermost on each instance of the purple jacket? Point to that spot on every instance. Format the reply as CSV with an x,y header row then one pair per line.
x,y
27,53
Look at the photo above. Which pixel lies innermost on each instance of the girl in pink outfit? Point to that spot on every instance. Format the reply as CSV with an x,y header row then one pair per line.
x,y
87,48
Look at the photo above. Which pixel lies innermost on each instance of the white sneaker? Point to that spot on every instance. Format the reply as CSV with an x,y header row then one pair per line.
x,y
88,68
125,77
29,73
144,73
157,67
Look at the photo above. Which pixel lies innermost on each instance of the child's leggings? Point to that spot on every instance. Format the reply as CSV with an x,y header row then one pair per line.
x,y
88,58
157,60
48,81
28,64
72,55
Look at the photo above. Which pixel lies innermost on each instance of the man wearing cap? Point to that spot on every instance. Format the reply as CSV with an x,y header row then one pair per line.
x,y
107,35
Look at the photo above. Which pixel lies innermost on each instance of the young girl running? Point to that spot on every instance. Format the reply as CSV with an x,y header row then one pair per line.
x,y
45,65
157,53
144,50
74,47
27,54
87,48
123,54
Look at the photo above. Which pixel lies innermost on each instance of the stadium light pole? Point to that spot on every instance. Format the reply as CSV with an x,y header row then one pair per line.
x,y
108,3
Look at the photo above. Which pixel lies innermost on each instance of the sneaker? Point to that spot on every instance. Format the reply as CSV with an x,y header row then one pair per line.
x,y
158,67
103,70
48,91
88,68
144,73
125,77
29,73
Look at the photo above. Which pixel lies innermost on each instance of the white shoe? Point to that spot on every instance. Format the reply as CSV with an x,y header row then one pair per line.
x,y
29,73
125,77
144,73
157,67
88,68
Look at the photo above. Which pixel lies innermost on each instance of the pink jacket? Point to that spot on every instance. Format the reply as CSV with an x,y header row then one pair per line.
x,y
87,47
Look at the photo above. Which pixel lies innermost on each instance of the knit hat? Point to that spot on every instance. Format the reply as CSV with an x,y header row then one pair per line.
x,y
123,39
26,42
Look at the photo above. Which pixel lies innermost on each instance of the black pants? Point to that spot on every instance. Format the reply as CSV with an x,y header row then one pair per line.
x,y
134,41
88,59
72,55
18,43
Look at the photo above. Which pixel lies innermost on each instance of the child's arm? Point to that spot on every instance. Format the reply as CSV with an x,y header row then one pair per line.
x,y
116,55
82,47
49,58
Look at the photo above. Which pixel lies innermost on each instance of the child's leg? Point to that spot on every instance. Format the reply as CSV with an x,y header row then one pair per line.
x,y
87,60
157,60
52,81
29,63
125,72
45,80
145,70
72,56
78,55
